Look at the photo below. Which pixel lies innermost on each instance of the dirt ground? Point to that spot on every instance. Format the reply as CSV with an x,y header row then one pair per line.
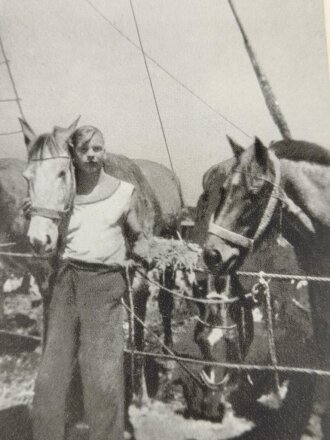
x,y
166,422
155,419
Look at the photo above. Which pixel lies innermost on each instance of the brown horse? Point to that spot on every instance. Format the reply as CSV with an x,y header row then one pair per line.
x,y
283,187
13,228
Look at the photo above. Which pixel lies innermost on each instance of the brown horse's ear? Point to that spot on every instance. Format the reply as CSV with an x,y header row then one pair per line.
x,y
261,153
28,133
237,149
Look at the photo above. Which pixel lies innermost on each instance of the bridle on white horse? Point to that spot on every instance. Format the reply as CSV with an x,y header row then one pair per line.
x,y
55,214
242,240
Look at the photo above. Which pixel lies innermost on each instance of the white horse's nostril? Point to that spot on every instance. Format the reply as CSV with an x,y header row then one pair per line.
x,y
48,239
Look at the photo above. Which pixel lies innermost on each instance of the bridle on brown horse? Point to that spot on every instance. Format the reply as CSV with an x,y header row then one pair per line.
x,y
277,191
236,331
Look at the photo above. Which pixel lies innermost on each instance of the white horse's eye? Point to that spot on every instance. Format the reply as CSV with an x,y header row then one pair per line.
x,y
26,174
62,174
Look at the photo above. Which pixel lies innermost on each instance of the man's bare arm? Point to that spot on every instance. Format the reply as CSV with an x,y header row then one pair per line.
x,y
136,236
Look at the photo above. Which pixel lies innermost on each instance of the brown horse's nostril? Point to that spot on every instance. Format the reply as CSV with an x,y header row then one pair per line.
x,y
37,246
212,257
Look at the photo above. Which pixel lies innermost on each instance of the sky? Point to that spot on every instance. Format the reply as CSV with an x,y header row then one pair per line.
x,y
67,61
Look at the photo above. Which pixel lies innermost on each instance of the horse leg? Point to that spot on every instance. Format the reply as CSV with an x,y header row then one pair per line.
x,y
166,304
204,346
140,291
320,305
45,285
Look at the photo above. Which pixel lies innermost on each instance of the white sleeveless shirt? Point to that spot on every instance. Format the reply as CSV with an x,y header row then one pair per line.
x,y
94,233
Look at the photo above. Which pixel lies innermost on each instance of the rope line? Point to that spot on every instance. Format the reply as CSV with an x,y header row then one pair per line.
x,y
164,346
6,61
131,325
280,368
270,329
10,100
184,360
188,89
9,133
151,86
284,276
280,276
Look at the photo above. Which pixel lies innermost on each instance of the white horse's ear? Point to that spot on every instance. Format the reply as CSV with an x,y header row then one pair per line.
x,y
63,134
73,126
28,133
237,149
261,153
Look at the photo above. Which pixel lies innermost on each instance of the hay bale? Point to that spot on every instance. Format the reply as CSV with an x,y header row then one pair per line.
x,y
178,254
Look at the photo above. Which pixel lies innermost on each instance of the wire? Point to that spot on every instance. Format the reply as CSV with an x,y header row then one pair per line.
x,y
8,133
188,89
152,87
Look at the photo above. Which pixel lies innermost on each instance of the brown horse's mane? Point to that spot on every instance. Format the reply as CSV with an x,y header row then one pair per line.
x,y
39,146
301,151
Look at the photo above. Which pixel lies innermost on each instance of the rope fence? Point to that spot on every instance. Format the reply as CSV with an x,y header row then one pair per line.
x,y
229,365
261,285
263,282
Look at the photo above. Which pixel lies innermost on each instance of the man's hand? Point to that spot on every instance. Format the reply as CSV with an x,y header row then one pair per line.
x,y
27,206
131,264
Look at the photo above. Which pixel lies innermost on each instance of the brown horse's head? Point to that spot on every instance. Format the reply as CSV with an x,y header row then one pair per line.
x,y
246,203
51,183
225,328
223,333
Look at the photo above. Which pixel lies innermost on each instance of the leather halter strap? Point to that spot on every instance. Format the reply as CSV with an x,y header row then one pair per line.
x,y
239,239
227,235
48,213
53,214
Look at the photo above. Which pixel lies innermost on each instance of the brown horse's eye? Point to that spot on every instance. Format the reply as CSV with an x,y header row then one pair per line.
x,y
222,192
205,197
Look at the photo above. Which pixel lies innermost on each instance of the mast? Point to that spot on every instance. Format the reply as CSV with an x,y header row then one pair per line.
x,y
266,89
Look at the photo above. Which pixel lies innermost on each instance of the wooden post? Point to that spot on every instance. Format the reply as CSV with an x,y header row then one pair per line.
x,y
269,96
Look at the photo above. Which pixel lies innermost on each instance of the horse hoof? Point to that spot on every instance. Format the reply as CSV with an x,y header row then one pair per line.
x,y
129,431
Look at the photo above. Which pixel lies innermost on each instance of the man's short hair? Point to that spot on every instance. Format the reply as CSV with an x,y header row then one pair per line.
x,y
83,135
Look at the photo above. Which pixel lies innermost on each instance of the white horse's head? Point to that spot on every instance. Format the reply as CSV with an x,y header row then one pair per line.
x,y
51,183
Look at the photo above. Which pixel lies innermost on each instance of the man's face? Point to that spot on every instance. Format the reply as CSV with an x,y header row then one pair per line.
x,y
89,156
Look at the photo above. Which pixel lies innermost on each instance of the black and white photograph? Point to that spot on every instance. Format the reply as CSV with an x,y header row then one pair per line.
x,y
164,220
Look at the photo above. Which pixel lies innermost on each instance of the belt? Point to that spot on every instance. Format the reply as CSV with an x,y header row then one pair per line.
x,y
92,267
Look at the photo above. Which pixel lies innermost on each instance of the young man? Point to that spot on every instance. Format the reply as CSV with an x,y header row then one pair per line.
x,y
86,316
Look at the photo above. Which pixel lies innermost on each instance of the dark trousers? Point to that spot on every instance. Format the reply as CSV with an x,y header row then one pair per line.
x,y
85,325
